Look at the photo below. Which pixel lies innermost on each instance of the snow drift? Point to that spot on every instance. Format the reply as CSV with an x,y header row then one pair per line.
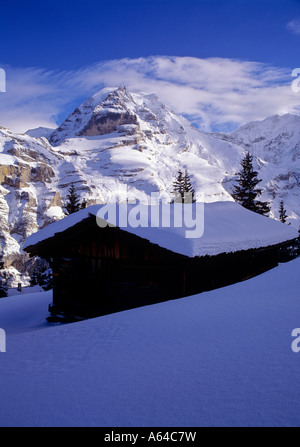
x,y
221,358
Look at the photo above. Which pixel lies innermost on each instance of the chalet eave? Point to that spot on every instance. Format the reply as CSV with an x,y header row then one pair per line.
x,y
47,247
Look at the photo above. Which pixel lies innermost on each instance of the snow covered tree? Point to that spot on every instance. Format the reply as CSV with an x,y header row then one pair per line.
x,y
83,204
73,204
42,276
282,212
45,279
178,185
188,188
246,191
183,188
34,278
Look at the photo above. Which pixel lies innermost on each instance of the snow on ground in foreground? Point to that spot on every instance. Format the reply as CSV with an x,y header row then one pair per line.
x,y
220,358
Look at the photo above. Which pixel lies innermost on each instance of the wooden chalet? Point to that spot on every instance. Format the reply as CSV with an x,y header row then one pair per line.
x,y
100,270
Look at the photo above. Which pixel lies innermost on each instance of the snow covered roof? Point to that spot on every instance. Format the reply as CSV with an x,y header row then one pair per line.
x,y
228,227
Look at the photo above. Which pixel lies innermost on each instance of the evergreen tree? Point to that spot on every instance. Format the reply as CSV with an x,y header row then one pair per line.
x,y
83,204
3,288
246,191
188,188
34,278
73,205
45,279
282,212
178,186
43,276
183,188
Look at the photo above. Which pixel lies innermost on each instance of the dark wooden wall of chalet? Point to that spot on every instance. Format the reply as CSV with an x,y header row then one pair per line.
x,y
106,270
211,272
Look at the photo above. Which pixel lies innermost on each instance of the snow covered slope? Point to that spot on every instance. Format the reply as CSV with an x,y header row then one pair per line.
x,y
40,132
221,358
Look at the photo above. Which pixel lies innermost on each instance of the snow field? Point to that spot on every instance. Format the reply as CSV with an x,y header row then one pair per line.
x,y
220,358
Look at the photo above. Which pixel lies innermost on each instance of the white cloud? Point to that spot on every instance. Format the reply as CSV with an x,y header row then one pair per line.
x,y
216,93
294,26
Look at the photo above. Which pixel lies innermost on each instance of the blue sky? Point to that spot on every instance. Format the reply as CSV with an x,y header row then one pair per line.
x,y
55,54
64,34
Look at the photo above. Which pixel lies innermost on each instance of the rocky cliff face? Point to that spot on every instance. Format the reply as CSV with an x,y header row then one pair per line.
x,y
119,145
28,169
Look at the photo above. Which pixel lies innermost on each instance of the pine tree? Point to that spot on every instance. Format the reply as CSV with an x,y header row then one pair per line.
x,y
43,276
83,204
183,188
178,187
34,278
73,203
246,191
45,279
282,212
3,288
188,189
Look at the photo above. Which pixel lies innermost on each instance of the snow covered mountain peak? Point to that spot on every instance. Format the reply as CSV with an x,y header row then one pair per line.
x,y
109,110
275,139
100,114
133,139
